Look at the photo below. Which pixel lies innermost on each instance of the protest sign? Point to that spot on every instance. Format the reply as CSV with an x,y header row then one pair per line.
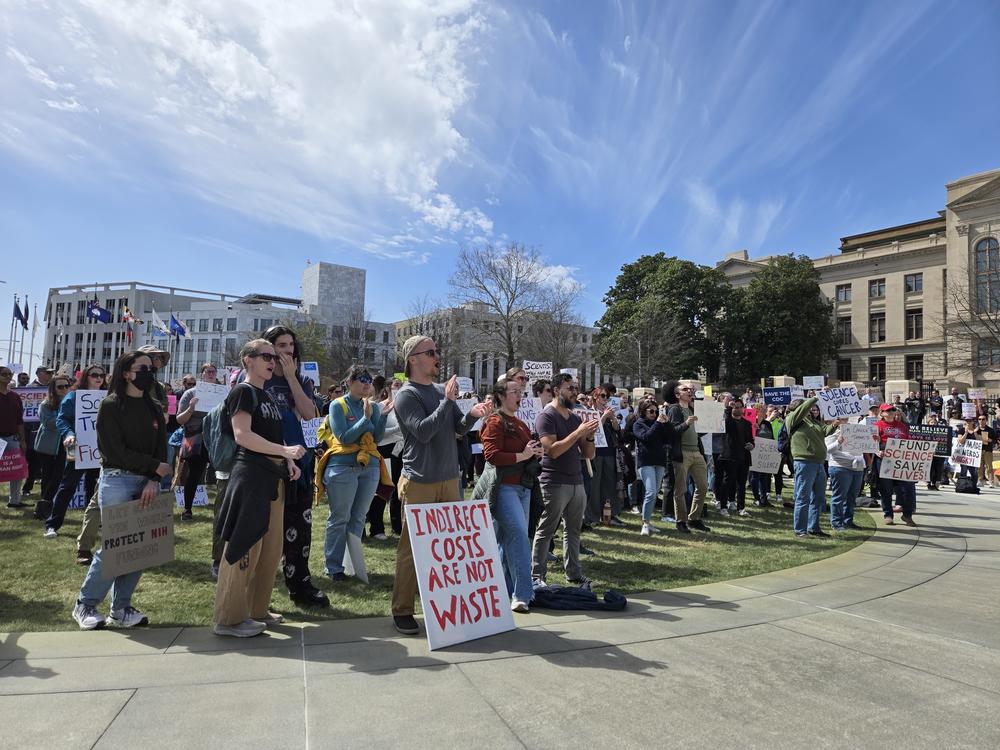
x,y
134,538
309,428
210,395
615,402
465,385
968,410
400,376
80,498
907,460
778,396
200,496
171,405
571,371
706,443
860,438
969,453
465,406
13,465
600,439
765,458
707,391
15,368
528,410
840,403
813,382
711,416
462,588
939,433
977,394
797,391
309,370
87,403
31,399
537,370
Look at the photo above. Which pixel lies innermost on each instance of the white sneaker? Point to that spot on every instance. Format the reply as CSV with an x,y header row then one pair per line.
x,y
88,618
129,617
645,530
50,533
718,505
246,629
653,529
518,606
743,513
724,512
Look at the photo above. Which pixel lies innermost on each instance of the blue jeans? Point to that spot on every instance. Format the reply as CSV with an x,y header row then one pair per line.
x,y
350,490
651,477
511,517
113,488
846,485
810,495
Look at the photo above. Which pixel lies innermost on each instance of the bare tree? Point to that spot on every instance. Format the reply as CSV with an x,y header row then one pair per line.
x,y
349,341
554,334
970,323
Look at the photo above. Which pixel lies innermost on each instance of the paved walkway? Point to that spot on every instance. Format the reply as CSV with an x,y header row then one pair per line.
x,y
894,644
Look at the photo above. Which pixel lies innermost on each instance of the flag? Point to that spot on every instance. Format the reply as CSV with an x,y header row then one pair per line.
x,y
34,326
94,310
61,330
177,328
129,317
18,315
158,324
128,332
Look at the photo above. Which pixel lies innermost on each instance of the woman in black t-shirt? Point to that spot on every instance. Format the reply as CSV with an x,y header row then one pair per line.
x,y
251,518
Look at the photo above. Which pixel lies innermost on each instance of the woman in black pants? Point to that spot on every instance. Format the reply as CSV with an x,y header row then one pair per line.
x,y
193,453
48,447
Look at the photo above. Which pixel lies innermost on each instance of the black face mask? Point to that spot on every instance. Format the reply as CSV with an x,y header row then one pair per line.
x,y
144,379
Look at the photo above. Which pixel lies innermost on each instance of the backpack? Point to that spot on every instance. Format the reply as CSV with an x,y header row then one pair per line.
x,y
785,438
217,436
966,485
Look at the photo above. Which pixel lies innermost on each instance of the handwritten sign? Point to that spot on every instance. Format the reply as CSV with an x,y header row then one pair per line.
x,y
840,403
309,429
778,396
977,394
31,399
462,588
13,465
465,385
134,538
310,370
797,391
969,453
939,433
711,416
765,458
907,460
859,438
210,395
968,410
585,415
200,496
571,371
813,382
537,370
87,403
528,410
615,402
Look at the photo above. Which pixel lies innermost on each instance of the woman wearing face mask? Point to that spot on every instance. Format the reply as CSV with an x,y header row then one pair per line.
x,y
132,440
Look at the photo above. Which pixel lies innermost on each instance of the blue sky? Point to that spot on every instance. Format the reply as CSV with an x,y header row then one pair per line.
x,y
220,145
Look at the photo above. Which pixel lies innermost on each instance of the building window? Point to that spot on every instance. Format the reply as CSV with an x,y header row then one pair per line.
x,y
385,337
370,335
987,280
203,325
876,288
876,369
876,328
230,324
914,324
913,282
370,355
354,334
188,346
915,367
81,312
216,345
844,373
202,346
217,324
843,330
988,355
843,292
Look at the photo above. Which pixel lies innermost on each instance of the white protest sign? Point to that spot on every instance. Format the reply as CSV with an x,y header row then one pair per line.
x,y
465,385
797,391
813,382
3,446
462,588
615,402
711,416
87,403
585,415
968,410
969,453
571,371
31,399
309,428
977,394
528,410
840,403
310,370
537,370
134,538
907,460
859,438
210,395
765,458
200,496
465,406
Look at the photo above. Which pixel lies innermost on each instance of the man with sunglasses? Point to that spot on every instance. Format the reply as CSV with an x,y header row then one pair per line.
x,y
686,454
429,420
11,429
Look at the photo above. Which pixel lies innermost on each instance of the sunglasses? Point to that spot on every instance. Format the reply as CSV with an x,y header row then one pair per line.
x,y
266,356
432,353
140,368
62,386
366,379
95,375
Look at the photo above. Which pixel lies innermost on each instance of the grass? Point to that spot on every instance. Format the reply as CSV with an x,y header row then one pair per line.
x,y
41,578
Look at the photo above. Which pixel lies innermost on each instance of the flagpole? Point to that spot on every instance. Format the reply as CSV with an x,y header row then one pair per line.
x,y
10,337
34,323
20,354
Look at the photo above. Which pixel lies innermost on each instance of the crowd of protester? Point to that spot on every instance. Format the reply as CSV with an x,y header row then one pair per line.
x,y
387,442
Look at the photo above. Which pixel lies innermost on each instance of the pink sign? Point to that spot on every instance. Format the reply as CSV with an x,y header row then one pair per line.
x,y
171,404
13,466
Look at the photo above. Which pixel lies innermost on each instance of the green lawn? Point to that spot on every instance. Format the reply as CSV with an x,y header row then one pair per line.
x,y
41,579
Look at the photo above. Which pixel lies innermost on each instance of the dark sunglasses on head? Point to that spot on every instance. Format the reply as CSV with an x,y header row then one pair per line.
x,y
266,356
365,378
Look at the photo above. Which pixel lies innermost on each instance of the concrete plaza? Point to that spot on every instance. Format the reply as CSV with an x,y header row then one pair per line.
x,y
895,643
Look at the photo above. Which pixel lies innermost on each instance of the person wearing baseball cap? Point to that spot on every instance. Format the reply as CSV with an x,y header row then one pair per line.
x,y
891,425
43,375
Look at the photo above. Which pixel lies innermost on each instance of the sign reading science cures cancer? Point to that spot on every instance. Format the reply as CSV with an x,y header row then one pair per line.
x,y
840,403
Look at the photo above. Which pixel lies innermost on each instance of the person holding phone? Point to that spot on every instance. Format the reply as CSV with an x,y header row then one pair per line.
x,y
132,441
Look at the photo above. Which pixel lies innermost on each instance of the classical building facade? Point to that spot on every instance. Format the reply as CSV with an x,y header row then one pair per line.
x,y
918,301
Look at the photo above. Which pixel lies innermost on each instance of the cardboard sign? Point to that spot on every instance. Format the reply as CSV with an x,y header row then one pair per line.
x,y
977,394
465,385
968,410
813,382
585,415
969,453
134,538
87,403
309,370
309,429
462,588
537,370
765,458
907,460
939,433
711,417
778,396
860,438
13,464
31,399
210,395
200,496
840,403
528,410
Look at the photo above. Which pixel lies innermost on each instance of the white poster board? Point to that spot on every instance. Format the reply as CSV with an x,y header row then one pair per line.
x,y
859,438
977,394
585,415
907,460
840,403
87,403
537,370
465,406
200,496
813,382
969,453
461,581
465,385
797,391
309,428
571,371
310,370
528,411
968,410
711,416
765,458
210,395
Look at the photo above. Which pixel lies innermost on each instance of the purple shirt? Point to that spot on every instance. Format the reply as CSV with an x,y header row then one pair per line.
x,y
565,469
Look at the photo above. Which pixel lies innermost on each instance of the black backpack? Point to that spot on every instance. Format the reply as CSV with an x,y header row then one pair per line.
x,y
966,485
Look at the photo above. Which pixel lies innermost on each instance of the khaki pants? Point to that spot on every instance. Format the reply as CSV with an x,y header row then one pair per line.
x,y
91,526
404,587
693,464
986,469
244,589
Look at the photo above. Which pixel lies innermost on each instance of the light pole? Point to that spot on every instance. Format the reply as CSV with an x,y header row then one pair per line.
x,y
639,344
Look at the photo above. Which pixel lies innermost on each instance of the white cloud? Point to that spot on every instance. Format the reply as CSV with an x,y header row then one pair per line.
x,y
334,118
715,225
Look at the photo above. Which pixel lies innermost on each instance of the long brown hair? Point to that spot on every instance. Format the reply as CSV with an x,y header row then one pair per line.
x,y
81,380
53,399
